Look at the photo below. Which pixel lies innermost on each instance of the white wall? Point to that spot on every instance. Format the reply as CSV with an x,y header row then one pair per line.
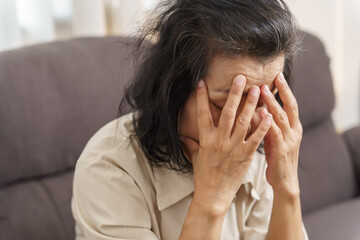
x,y
89,18
10,32
337,24
127,16
36,20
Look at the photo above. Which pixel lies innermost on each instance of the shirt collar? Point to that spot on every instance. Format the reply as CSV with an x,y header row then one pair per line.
x,y
172,186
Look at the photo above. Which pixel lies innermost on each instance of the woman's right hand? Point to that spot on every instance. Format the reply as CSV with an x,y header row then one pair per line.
x,y
222,157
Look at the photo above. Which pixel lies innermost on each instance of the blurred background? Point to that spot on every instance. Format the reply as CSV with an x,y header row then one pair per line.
x,y
335,22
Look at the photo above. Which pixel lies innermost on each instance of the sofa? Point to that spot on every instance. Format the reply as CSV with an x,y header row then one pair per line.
x,y
55,96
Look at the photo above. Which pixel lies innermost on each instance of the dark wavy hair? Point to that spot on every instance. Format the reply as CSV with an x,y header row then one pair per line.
x,y
186,35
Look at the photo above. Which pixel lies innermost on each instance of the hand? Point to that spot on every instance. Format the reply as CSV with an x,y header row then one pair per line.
x,y
282,142
222,157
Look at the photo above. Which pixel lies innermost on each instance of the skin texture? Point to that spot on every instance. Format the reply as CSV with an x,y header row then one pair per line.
x,y
221,146
222,71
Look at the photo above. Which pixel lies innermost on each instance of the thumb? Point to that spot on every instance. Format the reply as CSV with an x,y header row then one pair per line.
x,y
190,146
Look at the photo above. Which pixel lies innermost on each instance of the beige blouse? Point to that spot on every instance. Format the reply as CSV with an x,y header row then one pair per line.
x,y
117,194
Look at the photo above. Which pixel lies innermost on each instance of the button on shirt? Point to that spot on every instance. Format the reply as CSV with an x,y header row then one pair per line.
x,y
117,194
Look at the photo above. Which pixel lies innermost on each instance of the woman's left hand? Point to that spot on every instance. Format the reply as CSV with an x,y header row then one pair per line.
x,y
282,141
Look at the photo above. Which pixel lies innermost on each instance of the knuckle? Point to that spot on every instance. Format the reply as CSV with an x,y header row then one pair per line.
x,y
300,130
283,155
294,106
292,139
278,133
254,141
202,113
292,146
282,116
242,120
264,128
218,148
228,114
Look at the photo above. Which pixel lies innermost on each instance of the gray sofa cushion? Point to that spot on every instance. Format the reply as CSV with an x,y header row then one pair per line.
x,y
325,169
352,140
6,229
56,96
54,102
340,221
38,209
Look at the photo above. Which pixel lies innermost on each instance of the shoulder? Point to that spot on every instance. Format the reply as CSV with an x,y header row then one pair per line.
x,y
115,134
111,178
112,164
114,147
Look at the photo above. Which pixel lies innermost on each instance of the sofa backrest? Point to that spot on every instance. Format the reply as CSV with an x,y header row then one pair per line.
x,y
326,173
53,98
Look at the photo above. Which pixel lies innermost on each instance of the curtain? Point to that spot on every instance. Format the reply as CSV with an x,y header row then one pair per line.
x,y
25,22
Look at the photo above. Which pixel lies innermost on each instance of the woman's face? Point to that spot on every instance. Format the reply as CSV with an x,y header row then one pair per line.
x,y
219,78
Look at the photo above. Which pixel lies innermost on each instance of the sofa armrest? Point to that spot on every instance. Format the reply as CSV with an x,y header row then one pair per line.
x,y
352,140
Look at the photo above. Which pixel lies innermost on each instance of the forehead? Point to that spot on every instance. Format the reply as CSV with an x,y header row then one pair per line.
x,y
222,71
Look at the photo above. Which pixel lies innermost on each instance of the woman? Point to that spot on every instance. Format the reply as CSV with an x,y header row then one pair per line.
x,y
188,162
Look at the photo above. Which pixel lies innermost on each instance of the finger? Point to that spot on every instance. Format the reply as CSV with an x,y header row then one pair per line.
x,y
255,140
204,118
279,115
274,134
228,113
244,118
288,99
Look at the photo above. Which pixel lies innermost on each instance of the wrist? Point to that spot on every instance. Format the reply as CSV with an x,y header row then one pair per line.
x,y
209,206
288,189
202,222
291,195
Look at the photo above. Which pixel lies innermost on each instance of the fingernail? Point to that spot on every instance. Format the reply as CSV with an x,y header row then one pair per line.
x,y
282,78
264,112
254,91
239,80
201,83
268,118
266,88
